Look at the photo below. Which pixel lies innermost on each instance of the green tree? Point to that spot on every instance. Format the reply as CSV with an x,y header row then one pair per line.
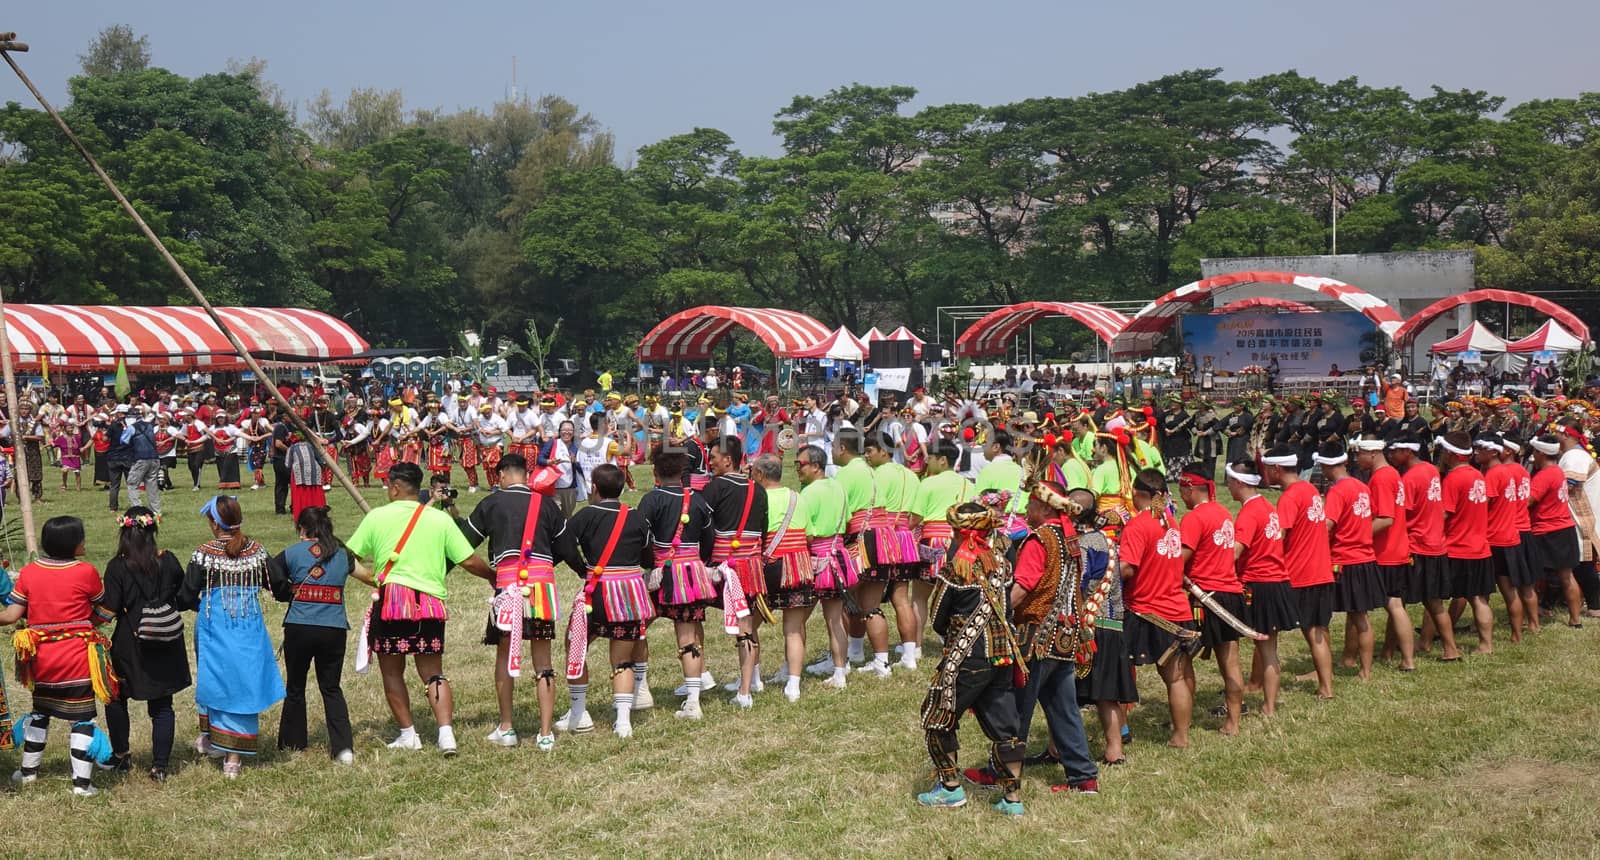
x,y
1555,230
115,50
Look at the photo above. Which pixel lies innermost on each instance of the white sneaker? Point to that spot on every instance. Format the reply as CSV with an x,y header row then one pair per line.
x,y
642,699
584,726
756,685
900,649
706,683
822,668
19,778
623,730
689,711
502,737
793,695
874,667
743,703
472,491
406,742
326,487
781,675
447,744
834,682
545,743
345,757
84,791
907,662
254,487
855,658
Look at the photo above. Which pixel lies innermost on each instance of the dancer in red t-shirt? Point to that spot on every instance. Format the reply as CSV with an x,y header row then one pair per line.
x,y
1159,628
1555,532
1429,583
1466,539
1518,488
1390,545
1359,586
1305,550
1258,556
1207,532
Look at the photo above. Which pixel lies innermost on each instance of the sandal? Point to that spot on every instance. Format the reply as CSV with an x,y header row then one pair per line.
x,y
1114,763
230,769
158,775
1041,758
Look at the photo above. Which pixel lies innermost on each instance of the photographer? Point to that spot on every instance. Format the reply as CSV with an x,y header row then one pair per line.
x,y
440,494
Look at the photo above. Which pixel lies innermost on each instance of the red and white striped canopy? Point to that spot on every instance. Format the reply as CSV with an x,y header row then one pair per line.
x,y
1477,338
873,335
1550,337
840,346
903,333
94,337
1149,325
1268,302
691,335
993,333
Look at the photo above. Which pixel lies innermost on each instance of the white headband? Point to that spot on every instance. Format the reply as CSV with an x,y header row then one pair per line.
x,y
1369,444
1549,449
1329,461
1287,460
1409,446
1462,452
1515,448
1247,480
1487,444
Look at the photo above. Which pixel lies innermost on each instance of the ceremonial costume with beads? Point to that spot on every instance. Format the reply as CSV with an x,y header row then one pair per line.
x,y
234,660
738,520
619,605
501,518
978,666
1110,676
61,657
677,518
1049,620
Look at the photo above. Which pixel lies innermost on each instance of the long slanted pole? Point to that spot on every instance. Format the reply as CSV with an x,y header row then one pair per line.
x,y
24,487
8,45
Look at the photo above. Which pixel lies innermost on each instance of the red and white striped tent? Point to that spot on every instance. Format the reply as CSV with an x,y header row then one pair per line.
x,y
1149,325
94,337
840,346
903,333
1550,337
992,334
874,335
1476,338
691,335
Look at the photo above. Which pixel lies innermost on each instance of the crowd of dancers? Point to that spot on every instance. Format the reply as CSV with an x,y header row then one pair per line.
x,y
1044,551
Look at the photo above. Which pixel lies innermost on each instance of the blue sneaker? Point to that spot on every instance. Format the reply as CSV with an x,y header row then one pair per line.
x,y
1008,807
940,797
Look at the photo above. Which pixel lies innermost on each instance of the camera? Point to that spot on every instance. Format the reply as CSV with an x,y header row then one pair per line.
x,y
446,494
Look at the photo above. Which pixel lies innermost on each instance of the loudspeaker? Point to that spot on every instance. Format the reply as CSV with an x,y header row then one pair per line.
x,y
891,353
933,352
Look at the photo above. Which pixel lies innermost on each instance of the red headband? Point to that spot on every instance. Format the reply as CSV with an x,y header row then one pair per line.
x,y
1186,479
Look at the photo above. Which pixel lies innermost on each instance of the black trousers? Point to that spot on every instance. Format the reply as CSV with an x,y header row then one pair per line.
x,y
280,487
197,464
118,472
989,693
162,726
304,644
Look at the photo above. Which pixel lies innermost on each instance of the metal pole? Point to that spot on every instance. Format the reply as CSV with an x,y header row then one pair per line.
x,y
6,46
1333,209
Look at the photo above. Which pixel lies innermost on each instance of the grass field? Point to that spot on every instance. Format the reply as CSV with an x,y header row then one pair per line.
x,y
1495,755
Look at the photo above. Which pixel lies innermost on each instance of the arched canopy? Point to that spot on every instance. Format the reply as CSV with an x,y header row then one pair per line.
x,y
1148,325
1254,302
691,335
1550,337
1417,323
840,346
991,334
1476,338
96,337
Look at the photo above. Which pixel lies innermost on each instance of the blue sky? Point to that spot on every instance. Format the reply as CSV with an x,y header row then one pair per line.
x,y
647,69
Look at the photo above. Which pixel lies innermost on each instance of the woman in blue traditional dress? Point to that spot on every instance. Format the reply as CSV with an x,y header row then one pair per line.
x,y
237,672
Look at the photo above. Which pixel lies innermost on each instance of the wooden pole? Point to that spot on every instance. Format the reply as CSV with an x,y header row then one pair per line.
x,y
24,487
7,46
